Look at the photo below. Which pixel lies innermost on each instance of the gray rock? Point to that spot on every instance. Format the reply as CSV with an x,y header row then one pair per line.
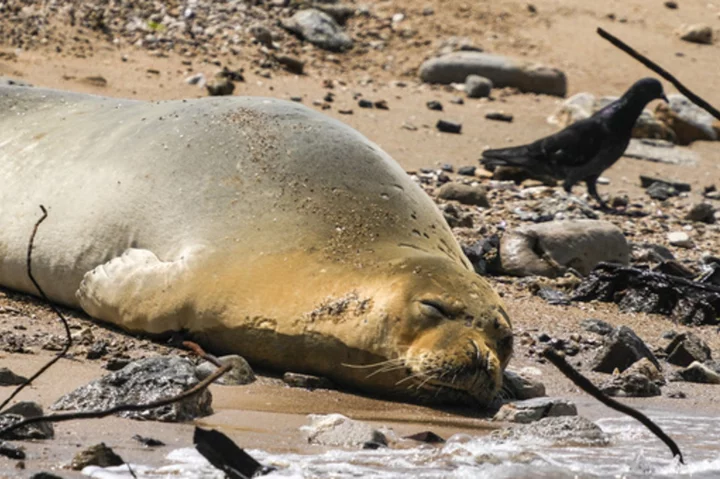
x,y
501,71
220,87
698,33
141,382
620,350
7,81
661,191
98,455
562,431
320,29
647,181
22,410
698,373
465,194
630,385
702,212
341,13
241,372
687,348
680,239
499,116
11,451
307,381
339,431
689,121
477,86
548,249
262,35
535,409
660,151
467,170
520,387
9,378
650,253
597,326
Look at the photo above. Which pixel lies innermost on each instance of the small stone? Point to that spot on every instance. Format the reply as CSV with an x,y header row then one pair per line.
x,y
465,194
296,99
448,126
363,103
117,363
11,451
457,100
262,35
97,350
240,374
148,441
477,86
428,437
434,105
99,455
220,87
535,409
9,378
381,105
661,191
497,116
676,395
703,212
699,33
597,326
447,167
467,170
671,5
307,381
345,112
680,239
697,373
339,431
563,430
687,348
620,350
630,385
520,387
291,64
23,410
197,79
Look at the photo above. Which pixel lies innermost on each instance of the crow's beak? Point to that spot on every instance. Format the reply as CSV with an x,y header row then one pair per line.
x,y
664,98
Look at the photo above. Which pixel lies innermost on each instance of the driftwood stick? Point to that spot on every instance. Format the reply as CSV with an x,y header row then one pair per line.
x,y
584,383
61,417
660,71
68,337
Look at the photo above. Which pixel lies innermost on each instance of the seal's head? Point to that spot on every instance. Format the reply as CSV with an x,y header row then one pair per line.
x,y
450,330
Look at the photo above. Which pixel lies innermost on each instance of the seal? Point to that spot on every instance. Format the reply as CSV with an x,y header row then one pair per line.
x,y
258,226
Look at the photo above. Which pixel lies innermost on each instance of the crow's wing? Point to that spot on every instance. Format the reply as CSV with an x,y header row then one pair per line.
x,y
571,147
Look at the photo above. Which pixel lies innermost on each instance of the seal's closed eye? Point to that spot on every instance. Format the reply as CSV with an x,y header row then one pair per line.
x,y
434,309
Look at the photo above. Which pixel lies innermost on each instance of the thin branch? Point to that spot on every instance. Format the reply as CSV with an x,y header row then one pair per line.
x,y
660,71
68,342
584,383
70,416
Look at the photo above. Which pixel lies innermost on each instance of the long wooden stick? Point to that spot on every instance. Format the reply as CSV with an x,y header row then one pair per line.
x,y
660,71
68,336
584,383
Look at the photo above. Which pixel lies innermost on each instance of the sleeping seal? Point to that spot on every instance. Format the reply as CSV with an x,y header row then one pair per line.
x,y
257,225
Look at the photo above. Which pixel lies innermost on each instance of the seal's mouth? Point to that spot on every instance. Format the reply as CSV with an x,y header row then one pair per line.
x,y
470,377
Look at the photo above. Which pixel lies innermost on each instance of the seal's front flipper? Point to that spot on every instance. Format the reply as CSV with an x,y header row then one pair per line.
x,y
137,291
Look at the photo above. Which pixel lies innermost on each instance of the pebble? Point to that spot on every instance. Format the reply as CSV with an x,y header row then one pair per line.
x,y
9,378
363,103
434,105
702,212
680,239
535,409
307,381
448,126
477,86
497,116
467,170
99,455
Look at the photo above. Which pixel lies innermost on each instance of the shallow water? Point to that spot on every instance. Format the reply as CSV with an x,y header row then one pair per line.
x,y
633,452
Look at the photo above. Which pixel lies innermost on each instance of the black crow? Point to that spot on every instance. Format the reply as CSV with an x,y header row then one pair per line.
x,y
583,150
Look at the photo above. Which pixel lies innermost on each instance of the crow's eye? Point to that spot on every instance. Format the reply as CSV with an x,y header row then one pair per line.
x,y
434,309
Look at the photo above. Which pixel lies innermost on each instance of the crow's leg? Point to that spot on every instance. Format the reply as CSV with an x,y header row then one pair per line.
x,y
591,183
